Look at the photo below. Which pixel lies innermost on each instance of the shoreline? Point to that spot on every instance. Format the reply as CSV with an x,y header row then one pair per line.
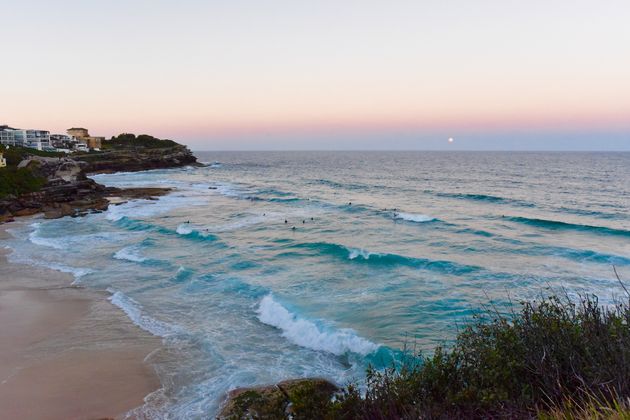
x,y
67,352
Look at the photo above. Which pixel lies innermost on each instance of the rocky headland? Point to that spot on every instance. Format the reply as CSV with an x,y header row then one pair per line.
x,y
58,186
138,159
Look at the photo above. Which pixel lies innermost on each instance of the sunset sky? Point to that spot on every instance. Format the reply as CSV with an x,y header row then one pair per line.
x,y
494,74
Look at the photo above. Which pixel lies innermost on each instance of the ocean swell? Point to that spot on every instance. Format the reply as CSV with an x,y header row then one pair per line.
x,y
485,198
364,256
555,224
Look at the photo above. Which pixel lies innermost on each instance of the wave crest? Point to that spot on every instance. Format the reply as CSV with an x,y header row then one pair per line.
x,y
364,256
129,254
417,218
307,334
555,224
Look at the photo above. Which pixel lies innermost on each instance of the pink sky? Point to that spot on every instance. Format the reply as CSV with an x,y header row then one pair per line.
x,y
207,72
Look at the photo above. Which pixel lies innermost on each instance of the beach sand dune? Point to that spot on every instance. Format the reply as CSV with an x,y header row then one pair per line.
x,y
66,352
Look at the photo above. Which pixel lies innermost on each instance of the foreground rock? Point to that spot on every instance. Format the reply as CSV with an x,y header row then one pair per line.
x,y
299,398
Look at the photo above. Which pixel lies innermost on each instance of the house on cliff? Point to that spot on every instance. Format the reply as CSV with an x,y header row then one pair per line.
x,y
84,137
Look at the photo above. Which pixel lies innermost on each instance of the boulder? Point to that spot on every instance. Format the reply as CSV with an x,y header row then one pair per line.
x,y
296,398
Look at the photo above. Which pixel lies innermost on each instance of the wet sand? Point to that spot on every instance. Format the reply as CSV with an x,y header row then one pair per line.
x,y
66,352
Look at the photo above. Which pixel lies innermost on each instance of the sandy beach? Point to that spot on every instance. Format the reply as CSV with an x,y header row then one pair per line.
x,y
66,352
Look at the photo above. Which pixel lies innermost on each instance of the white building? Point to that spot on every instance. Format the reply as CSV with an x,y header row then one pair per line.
x,y
36,139
7,137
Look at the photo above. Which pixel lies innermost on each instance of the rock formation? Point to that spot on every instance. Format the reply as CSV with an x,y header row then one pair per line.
x,y
68,191
138,159
296,398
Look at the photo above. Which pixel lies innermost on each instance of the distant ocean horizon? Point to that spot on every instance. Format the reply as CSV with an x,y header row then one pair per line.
x,y
269,265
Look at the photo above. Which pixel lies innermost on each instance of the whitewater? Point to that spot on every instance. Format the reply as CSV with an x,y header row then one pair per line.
x,y
276,265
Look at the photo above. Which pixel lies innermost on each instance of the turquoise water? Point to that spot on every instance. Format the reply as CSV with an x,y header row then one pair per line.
x,y
389,250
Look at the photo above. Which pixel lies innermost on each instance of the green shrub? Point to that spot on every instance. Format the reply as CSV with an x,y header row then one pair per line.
x,y
552,359
508,366
128,140
15,181
14,154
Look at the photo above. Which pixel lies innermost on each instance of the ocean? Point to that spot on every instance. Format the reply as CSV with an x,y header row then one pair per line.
x,y
264,266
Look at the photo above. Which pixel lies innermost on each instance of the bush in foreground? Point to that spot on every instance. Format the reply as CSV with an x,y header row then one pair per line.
x,y
551,352
552,359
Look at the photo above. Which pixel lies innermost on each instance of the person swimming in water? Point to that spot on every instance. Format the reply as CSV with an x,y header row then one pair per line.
x,y
293,228
286,221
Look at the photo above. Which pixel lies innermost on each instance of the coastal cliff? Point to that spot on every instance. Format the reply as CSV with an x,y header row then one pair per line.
x,y
57,185
137,159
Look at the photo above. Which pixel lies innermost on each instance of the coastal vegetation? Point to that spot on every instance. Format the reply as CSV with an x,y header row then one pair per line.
x,y
61,184
15,154
550,358
129,140
15,181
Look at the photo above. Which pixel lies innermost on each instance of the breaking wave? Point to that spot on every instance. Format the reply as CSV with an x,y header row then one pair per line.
x,y
309,334
417,218
129,254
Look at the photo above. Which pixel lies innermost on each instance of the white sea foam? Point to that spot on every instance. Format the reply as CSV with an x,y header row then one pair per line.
x,y
357,252
229,190
134,311
67,242
149,208
307,334
77,272
39,240
410,217
129,254
184,229
246,222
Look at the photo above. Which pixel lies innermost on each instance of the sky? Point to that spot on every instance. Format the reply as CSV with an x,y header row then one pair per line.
x,y
294,74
